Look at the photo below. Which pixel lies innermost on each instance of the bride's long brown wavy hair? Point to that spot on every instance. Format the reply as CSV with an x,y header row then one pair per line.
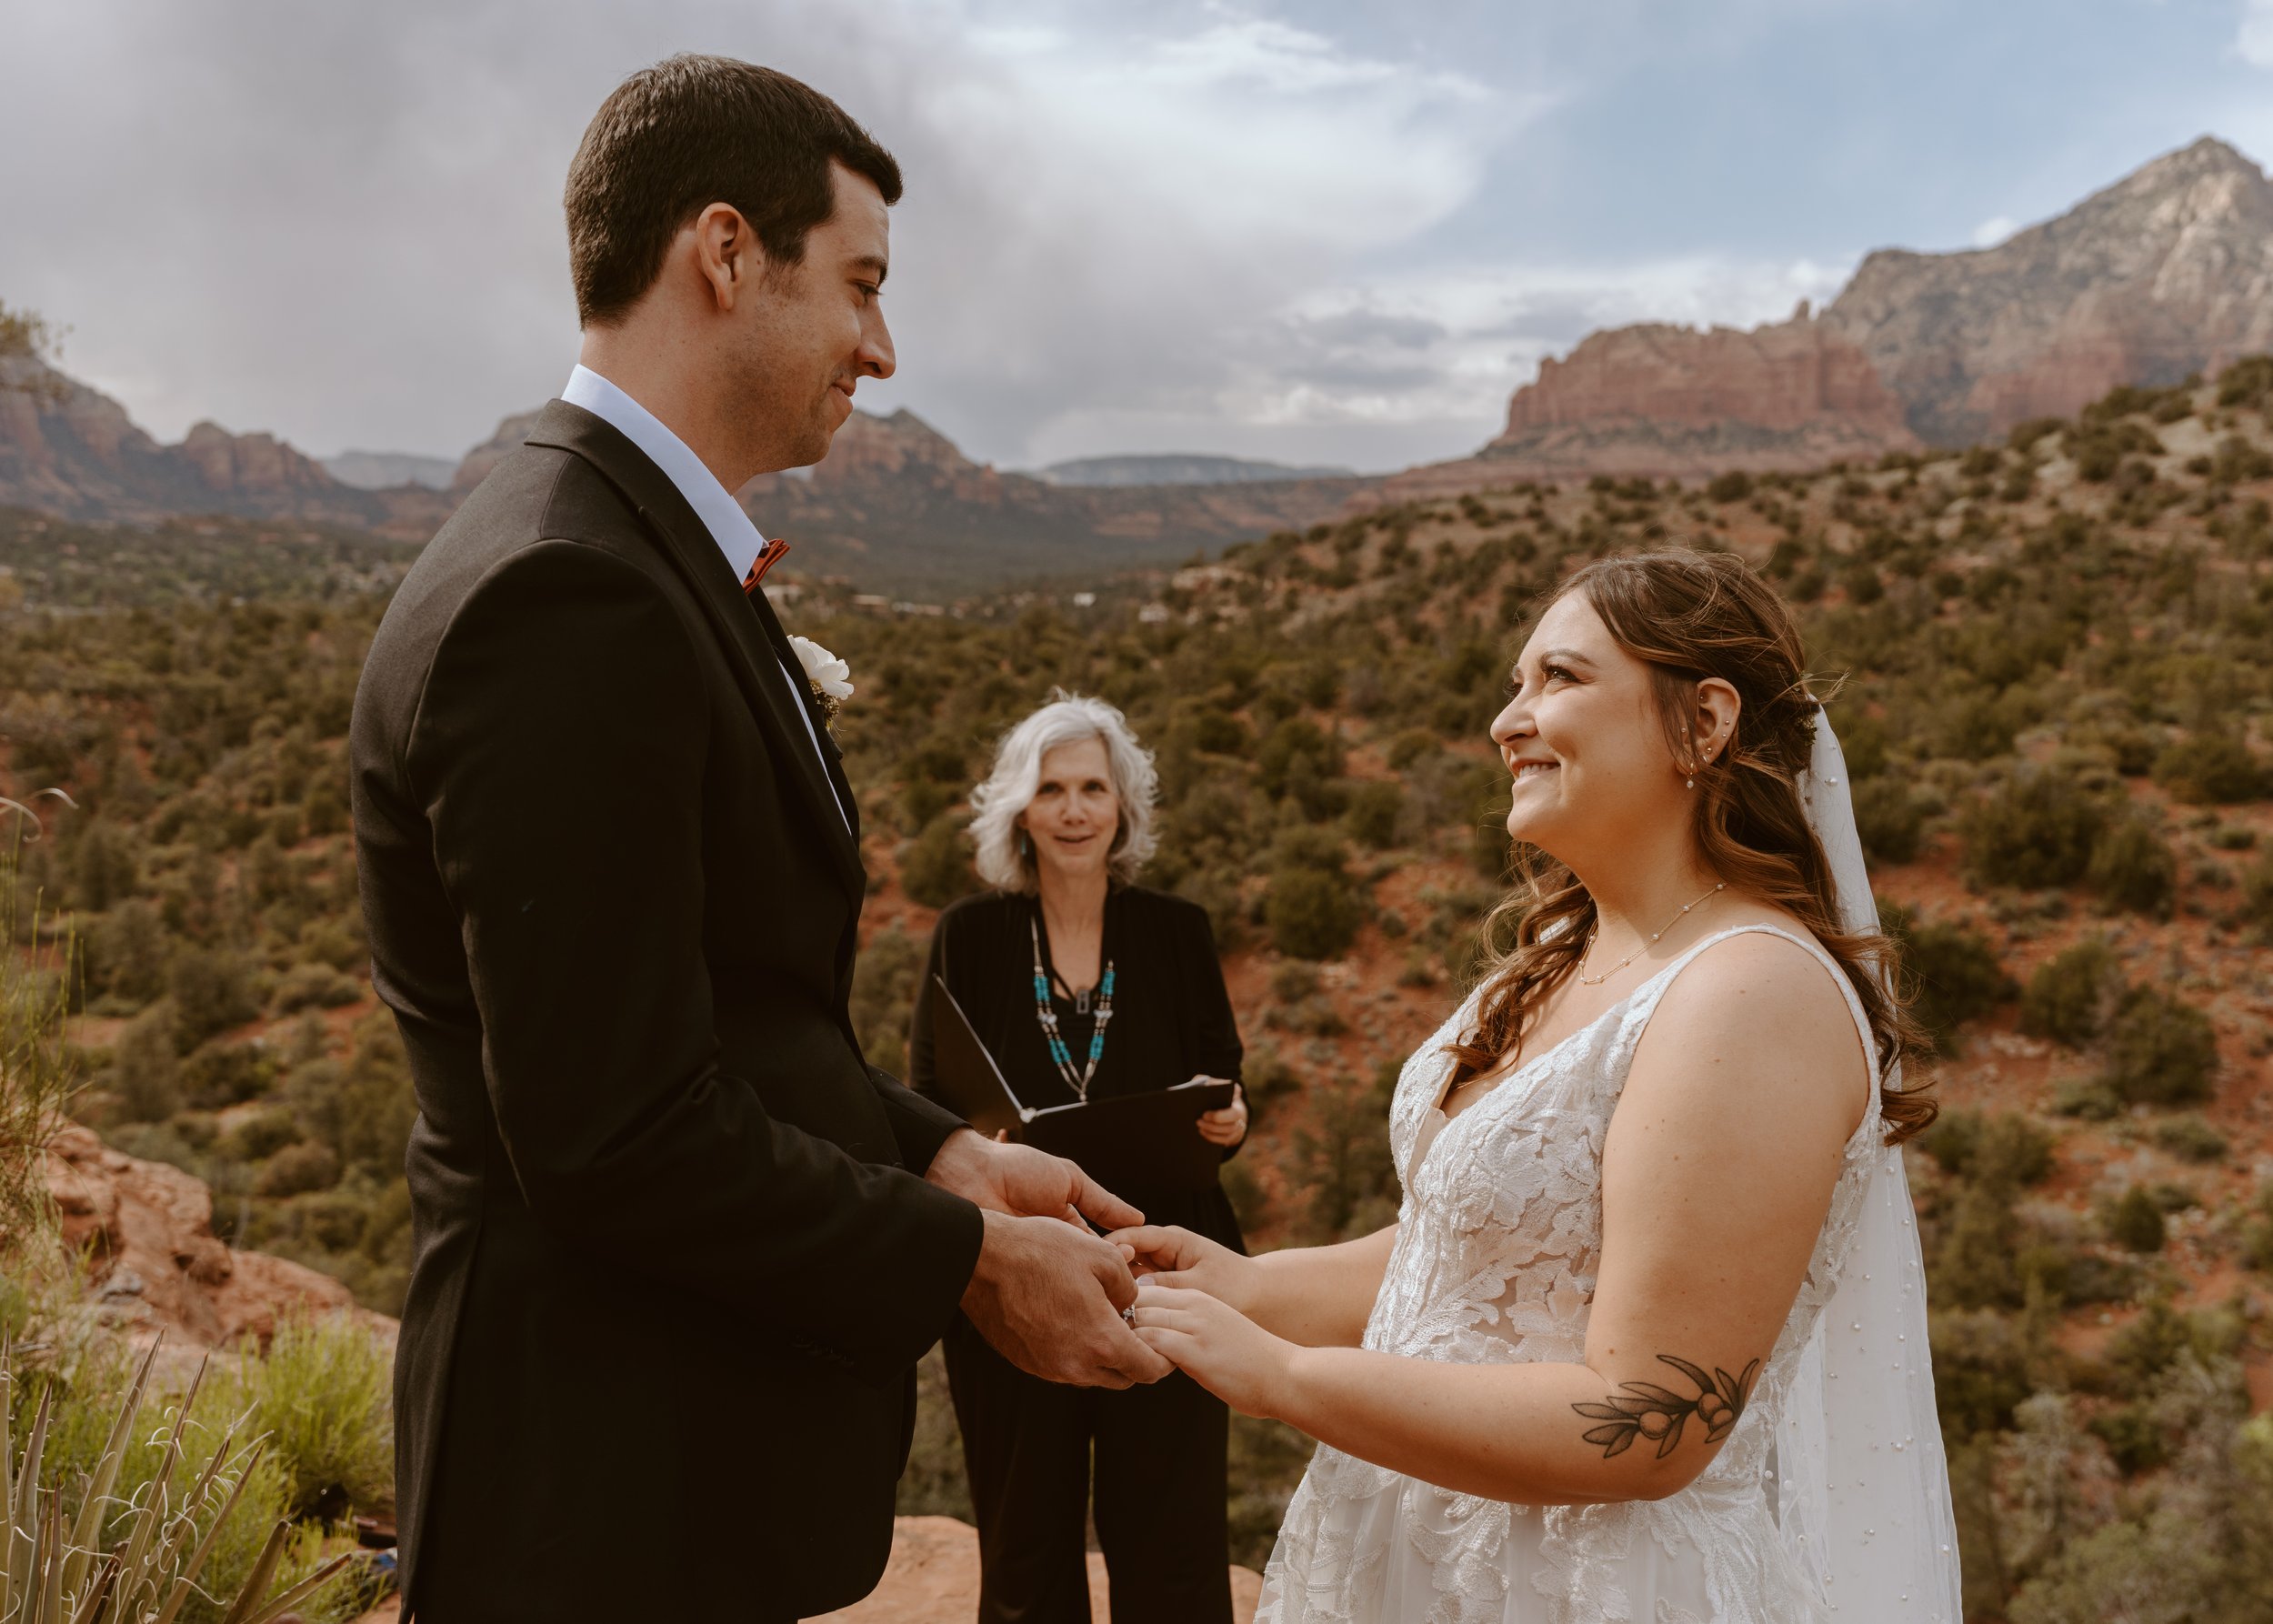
x,y
1690,617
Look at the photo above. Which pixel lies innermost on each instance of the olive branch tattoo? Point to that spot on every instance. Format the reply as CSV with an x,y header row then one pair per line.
x,y
1653,1412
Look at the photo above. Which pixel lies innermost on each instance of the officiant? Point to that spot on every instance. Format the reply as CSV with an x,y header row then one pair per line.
x,y
1086,986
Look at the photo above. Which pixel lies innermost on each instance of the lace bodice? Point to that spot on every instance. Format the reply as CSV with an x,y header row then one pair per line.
x,y
1500,1238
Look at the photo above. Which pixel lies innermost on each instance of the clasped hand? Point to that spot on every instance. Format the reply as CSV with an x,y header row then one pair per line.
x,y
1047,1293
1194,1302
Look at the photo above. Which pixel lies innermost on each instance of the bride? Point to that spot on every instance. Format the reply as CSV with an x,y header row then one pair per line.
x,y
1648,1339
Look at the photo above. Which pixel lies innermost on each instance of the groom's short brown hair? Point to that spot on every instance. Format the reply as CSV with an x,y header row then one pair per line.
x,y
692,131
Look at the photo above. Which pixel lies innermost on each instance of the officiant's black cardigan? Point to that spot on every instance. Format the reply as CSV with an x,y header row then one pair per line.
x,y
671,1266
1171,1017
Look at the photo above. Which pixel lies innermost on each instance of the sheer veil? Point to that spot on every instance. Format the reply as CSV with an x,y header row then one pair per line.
x,y
1864,1487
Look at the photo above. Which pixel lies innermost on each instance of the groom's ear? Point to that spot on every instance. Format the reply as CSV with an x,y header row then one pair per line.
x,y
728,256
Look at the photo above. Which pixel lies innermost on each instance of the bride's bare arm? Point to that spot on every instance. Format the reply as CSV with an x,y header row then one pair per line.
x,y
1717,1174
1316,1296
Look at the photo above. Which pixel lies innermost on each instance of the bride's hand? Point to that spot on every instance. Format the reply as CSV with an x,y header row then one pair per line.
x,y
1175,1256
1215,1345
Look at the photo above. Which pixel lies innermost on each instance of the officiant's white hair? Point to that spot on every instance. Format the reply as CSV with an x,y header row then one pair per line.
x,y
1004,860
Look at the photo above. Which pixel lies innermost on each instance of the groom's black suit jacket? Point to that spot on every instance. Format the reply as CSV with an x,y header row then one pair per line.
x,y
673,1266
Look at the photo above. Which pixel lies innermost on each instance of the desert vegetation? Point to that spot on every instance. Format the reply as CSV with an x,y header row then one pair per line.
x,y
2049,658
138,1488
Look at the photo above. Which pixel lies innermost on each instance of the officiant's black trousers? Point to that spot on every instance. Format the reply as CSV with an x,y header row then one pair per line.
x,y
1157,1453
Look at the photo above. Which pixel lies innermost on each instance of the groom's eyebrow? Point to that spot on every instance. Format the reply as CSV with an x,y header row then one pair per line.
x,y
875,266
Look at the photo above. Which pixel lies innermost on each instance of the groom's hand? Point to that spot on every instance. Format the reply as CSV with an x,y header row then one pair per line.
x,y
1048,1296
1024,1182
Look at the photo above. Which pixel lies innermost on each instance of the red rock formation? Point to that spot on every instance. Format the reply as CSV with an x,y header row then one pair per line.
x,y
250,464
155,1262
2167,271
1659,402
477,464
73,451
1791,378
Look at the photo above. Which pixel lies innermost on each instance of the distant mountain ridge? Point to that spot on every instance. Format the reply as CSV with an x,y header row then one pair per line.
x,y
69,449
2165,273
895,504
1180,468
377,470
895,499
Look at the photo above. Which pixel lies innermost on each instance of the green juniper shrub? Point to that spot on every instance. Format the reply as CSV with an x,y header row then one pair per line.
x,y
127,953
1976,1247
1340,1158
2137,1442
2085,1098
256,1137
936,867
297,1168
312,986
2257,1232
1952,969
145,1075
1312,908
2071,996
1298,760
1266,1076
1890,818
2191,1136
1375,812
2036,828
2237,461
885,983
1981,1371
2133,867
2248,382
2159,1337
2003,1149
2210,769
2257,897
224,1074
2162,1051
2134,1220
211,990
2132,750
1410,747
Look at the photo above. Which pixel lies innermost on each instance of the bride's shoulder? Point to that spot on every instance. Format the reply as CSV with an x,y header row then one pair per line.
x,y
1763,1003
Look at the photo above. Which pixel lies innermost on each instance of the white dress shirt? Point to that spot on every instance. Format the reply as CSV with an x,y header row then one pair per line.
x,y
721,514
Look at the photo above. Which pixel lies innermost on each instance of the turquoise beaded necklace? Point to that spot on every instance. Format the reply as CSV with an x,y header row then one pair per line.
x,y
1045,1014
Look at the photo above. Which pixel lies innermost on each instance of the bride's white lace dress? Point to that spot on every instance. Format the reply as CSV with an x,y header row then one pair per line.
x,y
1500,1236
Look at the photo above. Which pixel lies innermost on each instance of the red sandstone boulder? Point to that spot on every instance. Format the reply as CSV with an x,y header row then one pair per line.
x,y
155,1262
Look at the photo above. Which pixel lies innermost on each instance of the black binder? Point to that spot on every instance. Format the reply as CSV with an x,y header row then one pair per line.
x,y
1132,1141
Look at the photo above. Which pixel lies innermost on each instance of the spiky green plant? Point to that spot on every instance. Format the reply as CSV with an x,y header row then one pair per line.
x,y
98,1556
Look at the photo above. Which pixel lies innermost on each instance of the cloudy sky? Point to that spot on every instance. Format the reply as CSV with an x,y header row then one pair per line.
x,y
1339,232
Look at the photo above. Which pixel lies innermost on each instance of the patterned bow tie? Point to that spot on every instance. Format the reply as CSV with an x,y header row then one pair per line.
x,y
768,556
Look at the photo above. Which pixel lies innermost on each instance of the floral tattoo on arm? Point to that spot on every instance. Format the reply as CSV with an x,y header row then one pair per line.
x,y
1653,1412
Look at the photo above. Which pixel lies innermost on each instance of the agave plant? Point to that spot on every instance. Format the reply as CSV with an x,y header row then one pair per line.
x,y
136,1560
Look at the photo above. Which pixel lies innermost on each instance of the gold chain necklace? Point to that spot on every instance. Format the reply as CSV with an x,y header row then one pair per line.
x,y
1637,952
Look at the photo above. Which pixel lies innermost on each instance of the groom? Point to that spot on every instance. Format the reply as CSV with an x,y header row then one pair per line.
x,y
677,1247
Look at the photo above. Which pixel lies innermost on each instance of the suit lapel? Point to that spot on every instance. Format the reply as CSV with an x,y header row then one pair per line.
x,y
832,759
758,651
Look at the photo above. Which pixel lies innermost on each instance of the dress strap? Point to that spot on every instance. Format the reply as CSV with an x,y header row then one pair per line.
x,y
1645,1000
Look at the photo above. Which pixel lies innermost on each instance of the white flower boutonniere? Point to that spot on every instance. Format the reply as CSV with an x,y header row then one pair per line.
x,y
829,678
